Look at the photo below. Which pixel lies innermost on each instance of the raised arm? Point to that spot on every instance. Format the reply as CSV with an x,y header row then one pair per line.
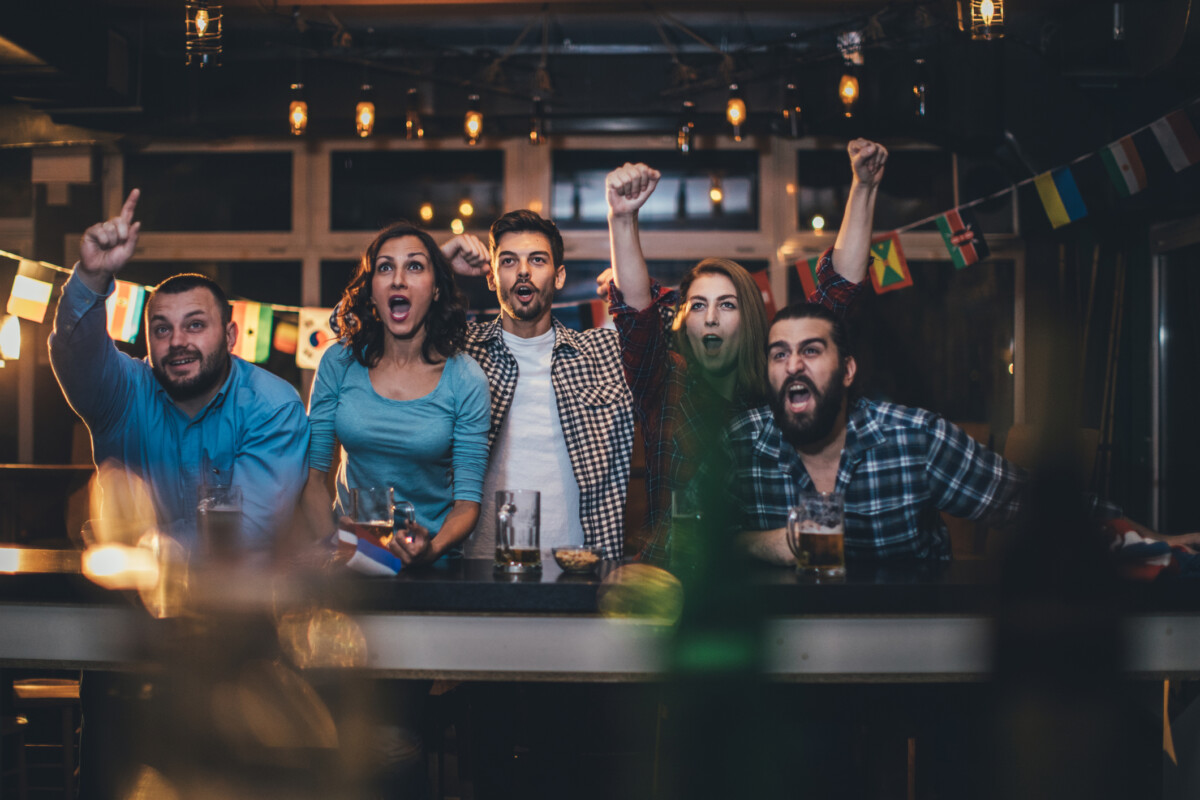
x,y
852,249
93,374
628,188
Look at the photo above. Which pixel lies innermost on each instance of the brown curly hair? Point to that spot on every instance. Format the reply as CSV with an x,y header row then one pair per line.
x,y
356,320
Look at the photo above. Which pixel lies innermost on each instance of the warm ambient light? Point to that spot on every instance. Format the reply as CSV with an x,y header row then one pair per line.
x,y
413,129
735,111
848,91
426,211
202,21
10,339
465,208
456,226
987,11
791,110
818,223
986,19
118,566
10,559
473,121
537,123
715,194
298,110
203,33
687,127
364,113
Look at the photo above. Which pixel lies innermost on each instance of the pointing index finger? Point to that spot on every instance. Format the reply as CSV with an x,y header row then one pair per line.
x,y
130,204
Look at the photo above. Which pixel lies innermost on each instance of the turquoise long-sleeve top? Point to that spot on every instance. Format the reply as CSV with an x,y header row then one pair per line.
x,y
433,449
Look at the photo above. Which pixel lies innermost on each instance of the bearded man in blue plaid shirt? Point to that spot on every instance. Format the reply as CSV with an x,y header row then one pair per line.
x,y
896,467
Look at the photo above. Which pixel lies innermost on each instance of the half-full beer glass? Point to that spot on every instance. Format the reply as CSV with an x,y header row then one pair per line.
x,y
816,534
518,514
219,521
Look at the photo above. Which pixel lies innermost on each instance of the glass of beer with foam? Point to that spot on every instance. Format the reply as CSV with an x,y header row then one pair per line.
x,y
816,535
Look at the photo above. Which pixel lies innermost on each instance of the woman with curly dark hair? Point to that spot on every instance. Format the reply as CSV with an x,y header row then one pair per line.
x,y
410,409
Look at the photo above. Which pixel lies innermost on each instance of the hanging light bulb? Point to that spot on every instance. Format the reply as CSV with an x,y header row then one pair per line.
x,y
921,90
472,121
203,33
10,338
848,91
413,129
818,223
298,110
985,19
426,212
466,209
687,127
735,111
715,193
791,110
364,112
537,123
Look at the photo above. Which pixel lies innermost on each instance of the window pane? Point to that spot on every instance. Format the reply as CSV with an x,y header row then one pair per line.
x,y
916,184
371,190
212,191
701,191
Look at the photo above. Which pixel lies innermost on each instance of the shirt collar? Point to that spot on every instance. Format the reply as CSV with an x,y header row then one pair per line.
x,y
492,333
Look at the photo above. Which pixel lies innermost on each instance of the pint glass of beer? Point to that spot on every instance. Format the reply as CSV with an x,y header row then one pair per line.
x,y
518,520
816,535
372,510
219,521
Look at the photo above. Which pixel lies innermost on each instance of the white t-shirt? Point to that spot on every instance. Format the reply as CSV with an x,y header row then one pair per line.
x,y
531,453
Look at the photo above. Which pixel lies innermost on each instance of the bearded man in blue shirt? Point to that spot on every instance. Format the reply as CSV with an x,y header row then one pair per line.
x,y
189,415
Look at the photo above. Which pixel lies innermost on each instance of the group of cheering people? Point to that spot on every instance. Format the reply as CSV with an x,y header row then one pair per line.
x,y
450,411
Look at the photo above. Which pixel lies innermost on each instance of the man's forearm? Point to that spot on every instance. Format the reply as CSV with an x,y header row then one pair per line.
x,y
629,264
852,249
770,546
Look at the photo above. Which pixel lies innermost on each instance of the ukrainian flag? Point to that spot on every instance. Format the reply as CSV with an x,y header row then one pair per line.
x,y
1060,196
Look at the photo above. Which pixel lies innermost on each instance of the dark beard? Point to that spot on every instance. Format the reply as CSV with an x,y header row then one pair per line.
x,y
525,313
817,425
212,371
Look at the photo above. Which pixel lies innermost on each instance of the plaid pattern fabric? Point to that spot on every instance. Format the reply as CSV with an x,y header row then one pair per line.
x,y
594,407
833,291
899,468
677,412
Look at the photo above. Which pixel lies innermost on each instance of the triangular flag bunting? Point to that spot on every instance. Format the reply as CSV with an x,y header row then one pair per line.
x,y
315,337
286,334
889,269
763,279
1060,196
962,237
124,310
1124,166
30,296
1178,139
807,269
254,330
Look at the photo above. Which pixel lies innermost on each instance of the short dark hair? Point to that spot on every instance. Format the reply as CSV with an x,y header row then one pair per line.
x,y
523,220
357,323
841,333
186,281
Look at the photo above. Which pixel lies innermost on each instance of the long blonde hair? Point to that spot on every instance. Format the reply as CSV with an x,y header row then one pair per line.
x,y
751,382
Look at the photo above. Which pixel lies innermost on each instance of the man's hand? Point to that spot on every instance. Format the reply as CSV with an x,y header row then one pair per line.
x,y
629,187
107,246
467,256
866,161
602,281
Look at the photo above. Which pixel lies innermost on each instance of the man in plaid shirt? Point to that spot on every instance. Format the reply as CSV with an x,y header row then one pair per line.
x,y
896,467
565,427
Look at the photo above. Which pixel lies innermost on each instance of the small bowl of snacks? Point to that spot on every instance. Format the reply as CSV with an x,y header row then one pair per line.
x,y
578,560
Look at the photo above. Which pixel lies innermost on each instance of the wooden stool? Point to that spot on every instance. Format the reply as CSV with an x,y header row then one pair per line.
x,y
14,727
61,694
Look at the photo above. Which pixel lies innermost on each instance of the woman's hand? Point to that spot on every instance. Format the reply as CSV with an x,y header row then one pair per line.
x,y
413,545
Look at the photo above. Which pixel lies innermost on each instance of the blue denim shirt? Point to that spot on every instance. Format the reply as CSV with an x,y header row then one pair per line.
x,y
253,433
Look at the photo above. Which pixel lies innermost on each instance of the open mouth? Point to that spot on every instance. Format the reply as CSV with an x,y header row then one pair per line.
x,y
798,397
399,306
182,362
524,292
712,343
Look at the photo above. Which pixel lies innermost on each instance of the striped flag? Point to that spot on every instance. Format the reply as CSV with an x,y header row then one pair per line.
x,y
31,289
124,310
763,279
889,268
1124,166
807,268
363,552
254,330
315,337
286,334
1178,139
963,237
1060,196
